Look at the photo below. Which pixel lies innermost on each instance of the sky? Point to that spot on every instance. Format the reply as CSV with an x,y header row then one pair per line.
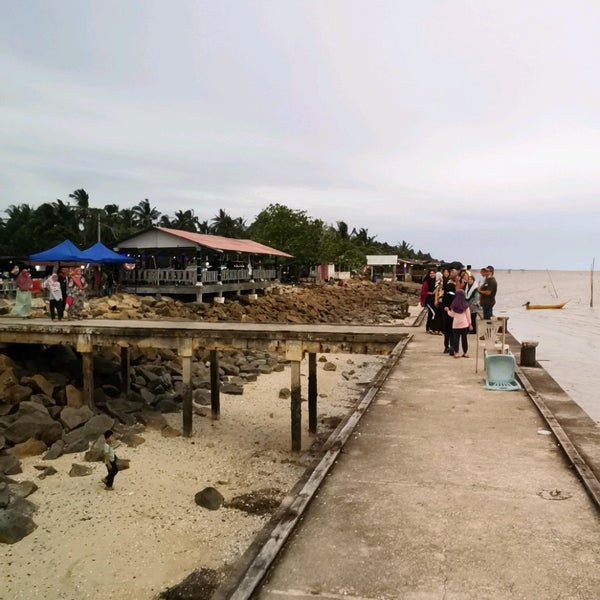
x,y
469,129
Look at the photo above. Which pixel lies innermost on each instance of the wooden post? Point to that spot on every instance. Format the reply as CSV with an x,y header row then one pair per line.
x,y
312,392
215,386
86,349
125,379
88,379
296,408
185,352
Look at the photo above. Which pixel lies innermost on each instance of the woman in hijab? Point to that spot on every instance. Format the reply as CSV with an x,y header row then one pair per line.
x,y
24,284
461,322
77,291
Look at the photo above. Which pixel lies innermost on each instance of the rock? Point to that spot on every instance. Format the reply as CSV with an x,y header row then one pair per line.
x,y
170,432
96,451
30,447
22,489
80,470
232,388
10,465
55,451
209,498
153,420
329,366
202,397
34,425
74,396
46,472
72,417
132,440
41,384
14,526
79,439
123,463
4,495
285,393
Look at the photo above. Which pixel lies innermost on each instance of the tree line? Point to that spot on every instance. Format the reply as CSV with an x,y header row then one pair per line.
x,y
26,230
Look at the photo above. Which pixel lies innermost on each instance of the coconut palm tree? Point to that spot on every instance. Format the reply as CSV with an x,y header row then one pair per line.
x,y
225,225
144,215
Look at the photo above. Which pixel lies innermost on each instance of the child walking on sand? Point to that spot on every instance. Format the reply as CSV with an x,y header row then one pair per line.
x,y
110,460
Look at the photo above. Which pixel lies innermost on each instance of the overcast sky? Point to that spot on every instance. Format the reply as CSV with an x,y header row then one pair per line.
x,y
469,129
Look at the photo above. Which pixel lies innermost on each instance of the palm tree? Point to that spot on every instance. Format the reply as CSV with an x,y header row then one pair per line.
x,y
145,216
405,249
225,225
342,229
204,227
82,202
185,220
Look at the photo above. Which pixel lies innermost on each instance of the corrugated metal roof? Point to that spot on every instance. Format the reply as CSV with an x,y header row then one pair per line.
x,y
382,259
217,242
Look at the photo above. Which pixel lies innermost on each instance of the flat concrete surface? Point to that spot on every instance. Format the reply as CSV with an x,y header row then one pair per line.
x,y
445,490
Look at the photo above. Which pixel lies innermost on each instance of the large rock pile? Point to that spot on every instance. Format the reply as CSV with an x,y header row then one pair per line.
x,y
357,301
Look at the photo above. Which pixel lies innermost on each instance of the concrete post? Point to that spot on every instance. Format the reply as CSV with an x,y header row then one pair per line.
x,y
185,353
312,392
528,354
296,408
215,386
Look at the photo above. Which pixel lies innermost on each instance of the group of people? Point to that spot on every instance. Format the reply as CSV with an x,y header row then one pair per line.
x,y
454,298
66,290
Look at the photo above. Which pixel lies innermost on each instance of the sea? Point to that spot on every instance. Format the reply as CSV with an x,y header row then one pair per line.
x,y
569,338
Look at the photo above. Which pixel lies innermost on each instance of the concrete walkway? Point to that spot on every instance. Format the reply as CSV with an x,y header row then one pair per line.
x,y
445,491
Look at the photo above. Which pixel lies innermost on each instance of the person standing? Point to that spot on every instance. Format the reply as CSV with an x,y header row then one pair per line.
x,y
57,303
110,460
461,323
472,296
449,291
77,291
428,297
24,285
487,293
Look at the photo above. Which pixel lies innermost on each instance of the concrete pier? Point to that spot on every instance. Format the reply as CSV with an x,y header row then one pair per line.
x,y
448,490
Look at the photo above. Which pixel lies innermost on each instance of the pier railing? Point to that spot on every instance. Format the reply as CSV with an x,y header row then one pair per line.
x,y
191,277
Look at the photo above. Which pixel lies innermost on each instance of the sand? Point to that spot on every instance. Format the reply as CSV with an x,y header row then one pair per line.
x,y
148,534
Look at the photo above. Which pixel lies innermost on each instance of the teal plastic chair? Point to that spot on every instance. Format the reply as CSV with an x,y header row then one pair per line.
x,y
500,372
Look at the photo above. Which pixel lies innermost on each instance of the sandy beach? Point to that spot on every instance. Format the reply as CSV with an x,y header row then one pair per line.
x,y
148,533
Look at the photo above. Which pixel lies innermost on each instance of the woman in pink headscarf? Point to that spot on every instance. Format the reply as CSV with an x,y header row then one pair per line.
x,y
24,284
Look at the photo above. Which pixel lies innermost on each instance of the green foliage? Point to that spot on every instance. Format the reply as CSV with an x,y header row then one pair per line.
x,y
310,241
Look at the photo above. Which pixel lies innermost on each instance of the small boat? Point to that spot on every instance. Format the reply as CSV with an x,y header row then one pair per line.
x,y
530,306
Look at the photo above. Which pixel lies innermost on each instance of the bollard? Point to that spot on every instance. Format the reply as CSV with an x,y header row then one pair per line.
x,y
528,354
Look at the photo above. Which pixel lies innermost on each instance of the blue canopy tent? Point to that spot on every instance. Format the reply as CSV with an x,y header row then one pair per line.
x,y
66,251
100,254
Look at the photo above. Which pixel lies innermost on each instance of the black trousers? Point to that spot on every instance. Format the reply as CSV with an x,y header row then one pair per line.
x,y
112,471
57,308
460,335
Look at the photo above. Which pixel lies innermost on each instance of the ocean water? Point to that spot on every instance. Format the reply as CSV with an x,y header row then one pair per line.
x,y
568,339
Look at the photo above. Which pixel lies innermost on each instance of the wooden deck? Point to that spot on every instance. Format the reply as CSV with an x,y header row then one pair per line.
x,y
288,340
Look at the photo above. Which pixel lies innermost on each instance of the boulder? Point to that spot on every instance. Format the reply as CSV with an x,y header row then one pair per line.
x,y
9,465
14,526
30,447
80,470
35,425
74,396
209,498
55,451
22,489
72,418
